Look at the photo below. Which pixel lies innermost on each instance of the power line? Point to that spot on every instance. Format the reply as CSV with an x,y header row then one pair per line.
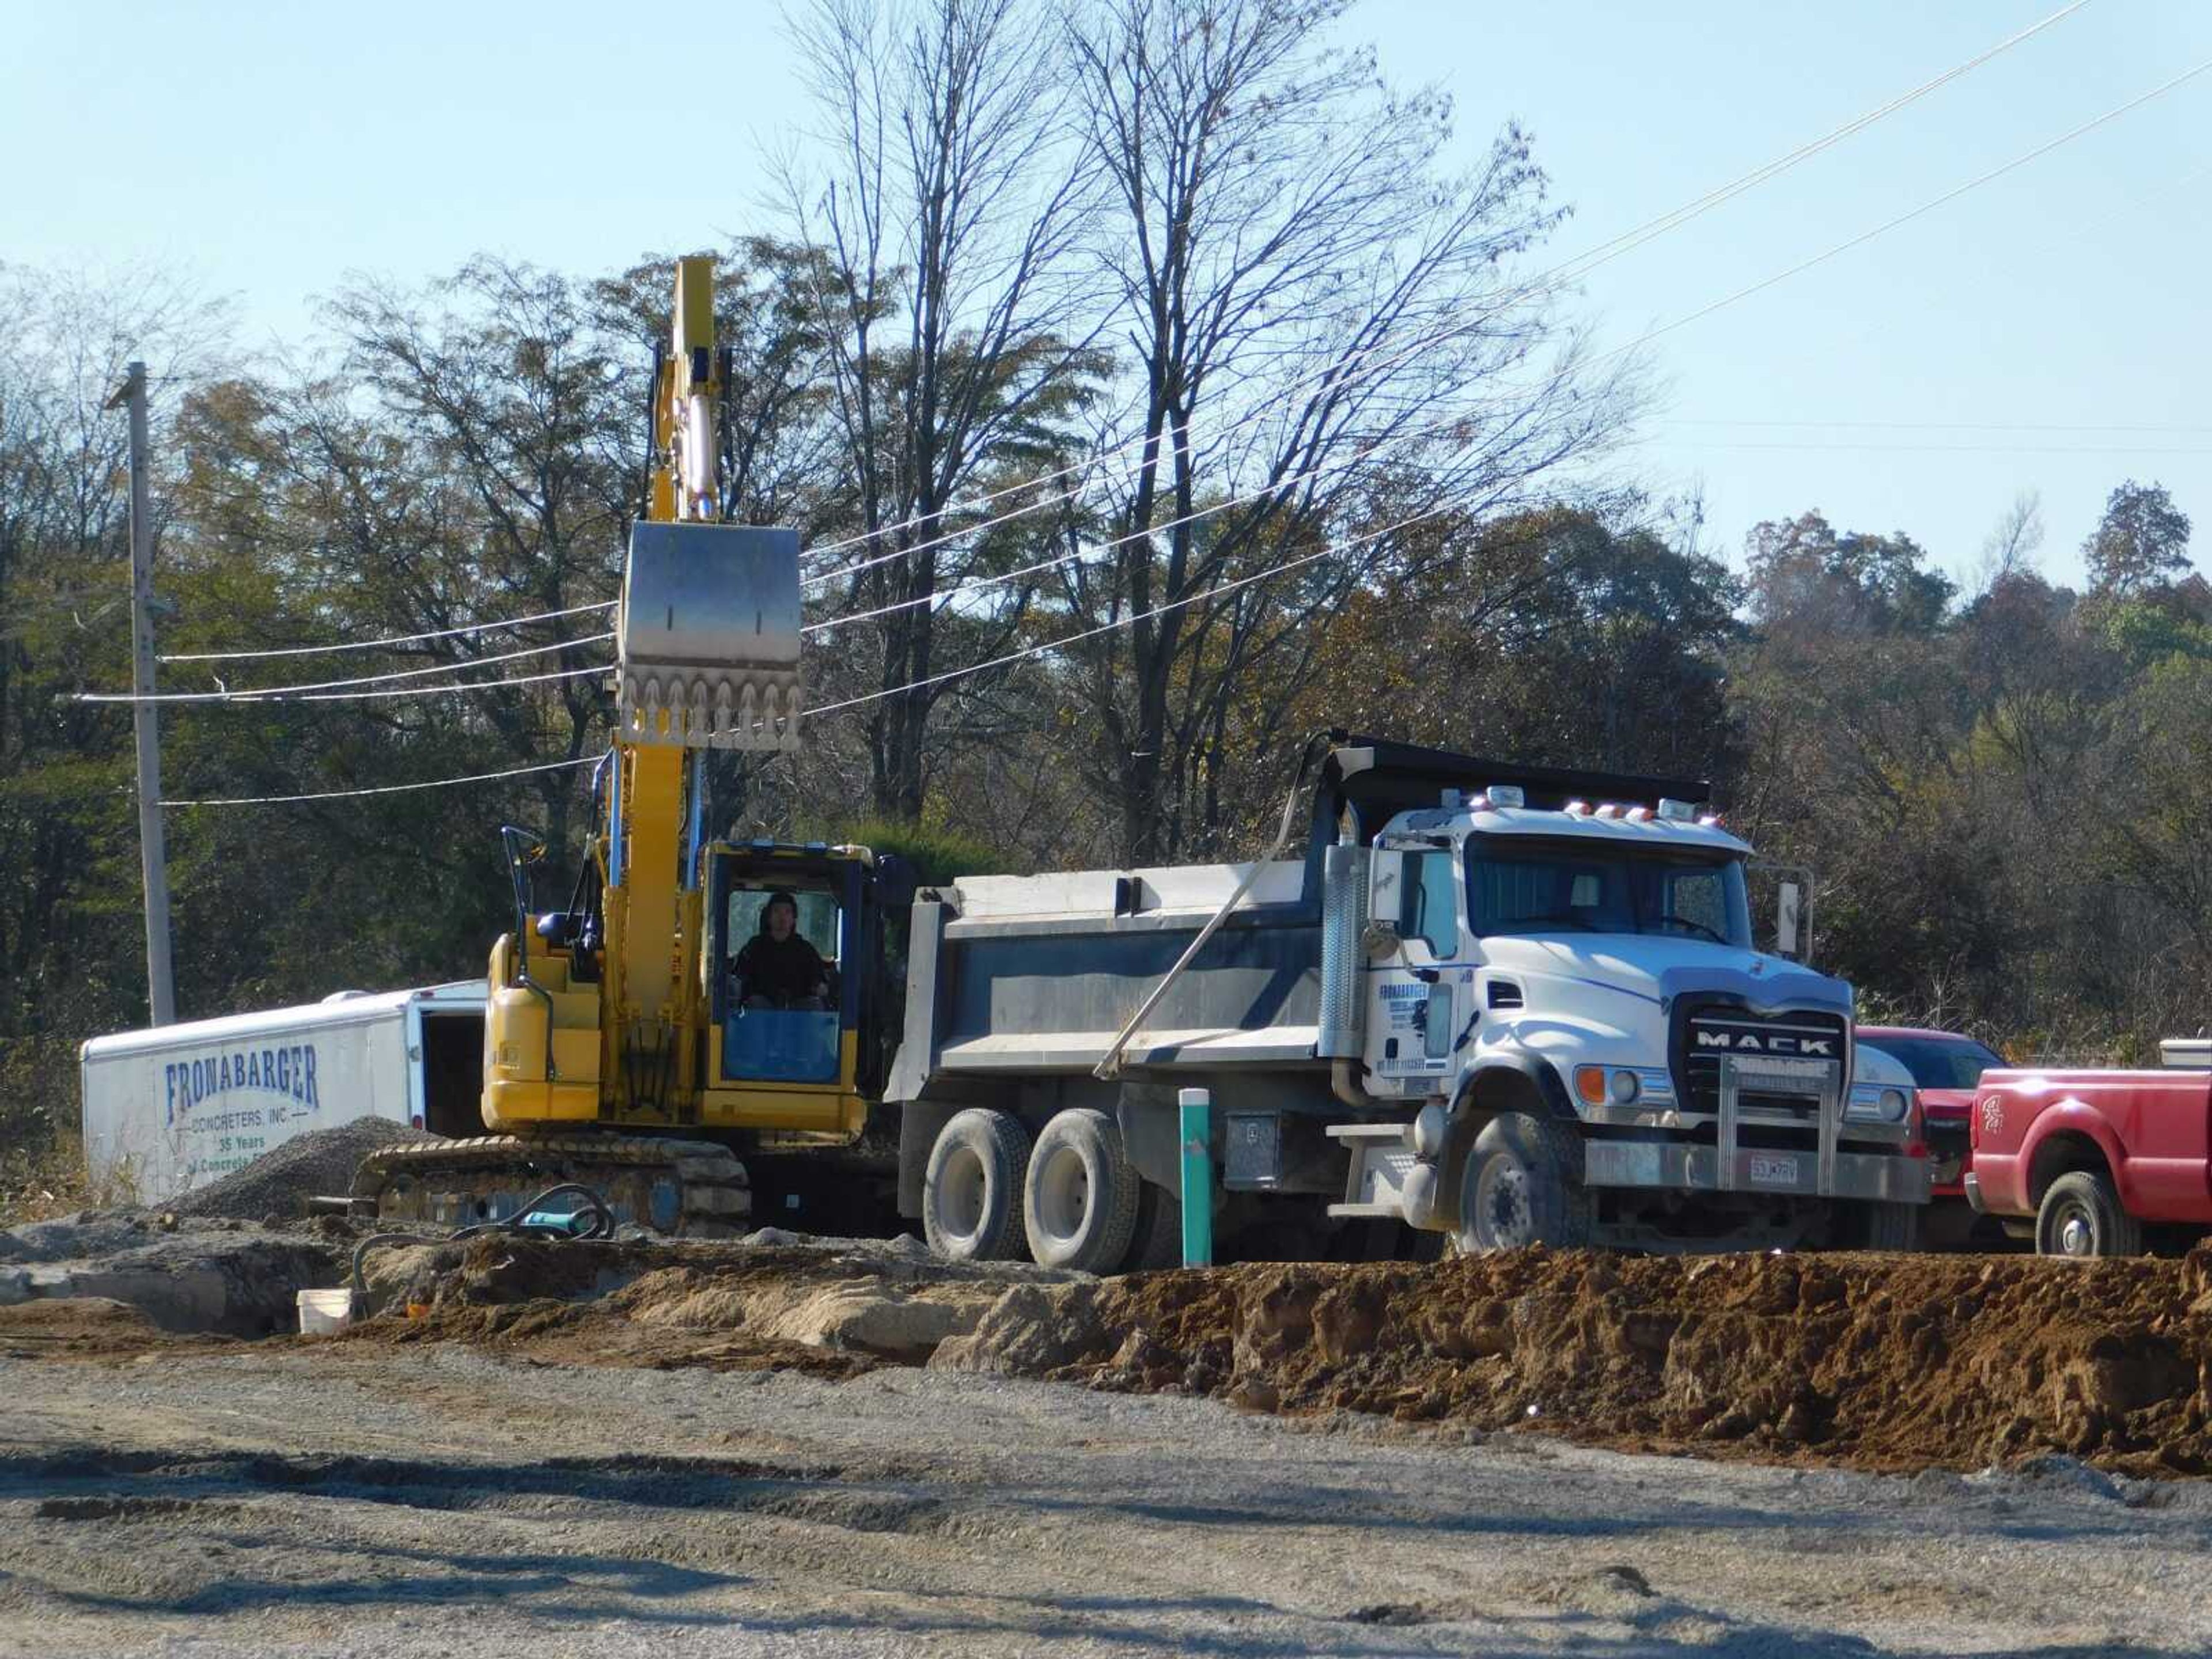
x,y
1943,426
307,691
1067,640
1049,646
978,584
1942,449
1703,311
396,639
1567,270
383,789
1955,192
445,690
1428,428
1666,328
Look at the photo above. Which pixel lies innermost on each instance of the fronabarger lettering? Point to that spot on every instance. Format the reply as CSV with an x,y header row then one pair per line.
x,y
190,1083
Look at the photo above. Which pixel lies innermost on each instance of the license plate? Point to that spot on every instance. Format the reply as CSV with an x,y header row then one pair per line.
x,y
1774,1171
1775,1068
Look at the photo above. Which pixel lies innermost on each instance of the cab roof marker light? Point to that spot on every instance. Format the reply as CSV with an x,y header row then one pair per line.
x,y
1610,809
1677,811
1710,821
1576,809
1507,794
1639,815
1479,804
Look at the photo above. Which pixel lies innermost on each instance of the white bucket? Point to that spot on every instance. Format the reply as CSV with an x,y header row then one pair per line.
x,y
325,1313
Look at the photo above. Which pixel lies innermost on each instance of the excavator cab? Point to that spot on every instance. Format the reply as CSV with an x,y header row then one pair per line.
x,y
779,1056
786,1029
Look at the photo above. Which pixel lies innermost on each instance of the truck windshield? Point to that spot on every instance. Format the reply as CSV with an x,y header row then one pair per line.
x,y
1514,887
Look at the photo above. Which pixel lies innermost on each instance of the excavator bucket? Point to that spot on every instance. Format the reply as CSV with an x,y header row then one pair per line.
x,y
708,636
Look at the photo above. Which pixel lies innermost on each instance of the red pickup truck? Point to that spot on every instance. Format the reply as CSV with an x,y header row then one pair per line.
x,y
2096,1158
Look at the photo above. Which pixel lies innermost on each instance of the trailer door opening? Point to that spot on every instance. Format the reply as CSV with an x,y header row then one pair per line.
x,y
452,1074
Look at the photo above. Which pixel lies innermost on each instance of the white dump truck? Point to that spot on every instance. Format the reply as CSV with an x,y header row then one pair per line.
x,y
1508,1004
173,1108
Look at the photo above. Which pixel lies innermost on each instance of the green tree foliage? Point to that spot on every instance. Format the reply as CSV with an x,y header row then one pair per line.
x,y
1212,270
2141,543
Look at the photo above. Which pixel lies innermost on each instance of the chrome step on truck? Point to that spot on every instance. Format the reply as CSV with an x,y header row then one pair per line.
x,y
1506,1003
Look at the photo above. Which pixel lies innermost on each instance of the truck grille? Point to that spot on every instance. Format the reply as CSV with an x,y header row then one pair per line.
x,y
1710,1031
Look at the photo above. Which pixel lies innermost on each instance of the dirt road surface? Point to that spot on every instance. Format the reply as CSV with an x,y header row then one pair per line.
x,y
193,1496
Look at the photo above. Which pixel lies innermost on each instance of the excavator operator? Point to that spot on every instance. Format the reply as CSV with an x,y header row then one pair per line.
x,y
778,967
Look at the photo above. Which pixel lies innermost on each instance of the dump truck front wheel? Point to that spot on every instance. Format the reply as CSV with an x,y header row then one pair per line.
x,y
971,1195
1523,1185
1079,1201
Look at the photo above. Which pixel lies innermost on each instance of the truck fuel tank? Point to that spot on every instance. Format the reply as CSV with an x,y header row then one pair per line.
x,y
708,636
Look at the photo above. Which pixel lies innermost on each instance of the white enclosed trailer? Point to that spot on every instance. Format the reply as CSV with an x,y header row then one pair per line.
x,y
178,1106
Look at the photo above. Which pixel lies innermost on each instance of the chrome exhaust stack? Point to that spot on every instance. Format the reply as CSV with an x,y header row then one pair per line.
x,y
708,637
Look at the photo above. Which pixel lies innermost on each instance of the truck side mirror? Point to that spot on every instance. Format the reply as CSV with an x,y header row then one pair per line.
x,y
1386,877
1786,911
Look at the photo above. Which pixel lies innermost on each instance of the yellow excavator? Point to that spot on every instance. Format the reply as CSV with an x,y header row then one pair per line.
x,y
623,1048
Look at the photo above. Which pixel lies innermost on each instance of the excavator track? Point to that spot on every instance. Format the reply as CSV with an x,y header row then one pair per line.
x,y
692,1189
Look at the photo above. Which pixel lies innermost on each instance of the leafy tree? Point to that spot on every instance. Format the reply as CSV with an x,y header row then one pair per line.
x,y
1807,576
2141,543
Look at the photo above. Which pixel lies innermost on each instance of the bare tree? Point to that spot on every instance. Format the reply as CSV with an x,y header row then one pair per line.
x,y
1322,339
948,207
2010,547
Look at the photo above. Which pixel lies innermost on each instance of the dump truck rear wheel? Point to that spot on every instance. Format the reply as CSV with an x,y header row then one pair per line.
x,y
1156,1242
971,1193
1079,1201
1893,1227
2081,1216
1523,1185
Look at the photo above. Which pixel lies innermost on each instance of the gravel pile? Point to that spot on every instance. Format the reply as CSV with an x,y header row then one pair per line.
x,y
282,1180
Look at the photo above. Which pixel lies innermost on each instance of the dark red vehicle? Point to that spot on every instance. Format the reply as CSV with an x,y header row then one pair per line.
x,y
1946,1066
2106,1162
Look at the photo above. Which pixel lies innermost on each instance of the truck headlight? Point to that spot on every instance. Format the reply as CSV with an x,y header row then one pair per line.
x,y
1624,1085
1874,1102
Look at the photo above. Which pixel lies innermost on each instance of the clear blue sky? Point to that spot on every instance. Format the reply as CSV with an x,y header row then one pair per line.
x,y
1990,347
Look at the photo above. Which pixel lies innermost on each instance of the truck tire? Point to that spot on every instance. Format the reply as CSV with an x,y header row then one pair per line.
x,y
1158,1240
971,1193
1522,1184
1893,1227
2081,1216
1080,1198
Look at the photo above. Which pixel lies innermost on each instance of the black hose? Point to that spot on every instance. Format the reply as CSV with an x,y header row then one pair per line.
x,y
603,1224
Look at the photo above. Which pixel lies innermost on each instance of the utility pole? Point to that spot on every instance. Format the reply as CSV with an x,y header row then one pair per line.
x,y
161,988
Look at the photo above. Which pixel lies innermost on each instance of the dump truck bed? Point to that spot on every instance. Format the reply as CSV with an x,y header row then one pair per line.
x,y
1038,974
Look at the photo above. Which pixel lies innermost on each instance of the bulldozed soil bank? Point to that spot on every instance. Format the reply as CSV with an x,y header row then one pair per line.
x,y
1877,1362
1870,1361
832,1309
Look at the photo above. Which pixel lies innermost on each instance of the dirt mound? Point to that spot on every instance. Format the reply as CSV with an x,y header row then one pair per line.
x,y
1886,1362
282,1179
835,1309
87,1327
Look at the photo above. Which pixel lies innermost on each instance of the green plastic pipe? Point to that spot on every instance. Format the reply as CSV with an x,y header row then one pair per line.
x,y
1196,1106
